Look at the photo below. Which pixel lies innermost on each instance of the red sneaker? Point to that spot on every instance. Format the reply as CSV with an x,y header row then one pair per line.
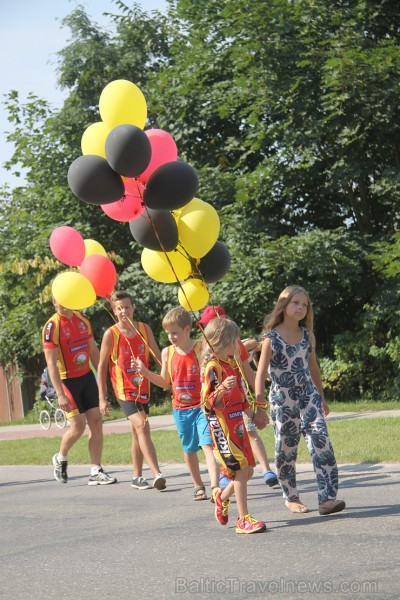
x,y
221,507
248,524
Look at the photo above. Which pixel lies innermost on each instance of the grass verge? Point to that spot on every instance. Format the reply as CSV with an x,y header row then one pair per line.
x,y
374,440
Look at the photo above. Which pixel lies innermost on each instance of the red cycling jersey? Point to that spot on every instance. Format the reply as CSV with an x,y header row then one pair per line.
x,y
184,373
127,383
71,338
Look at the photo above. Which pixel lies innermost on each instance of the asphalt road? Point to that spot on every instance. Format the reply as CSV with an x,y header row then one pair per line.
x,y
76,541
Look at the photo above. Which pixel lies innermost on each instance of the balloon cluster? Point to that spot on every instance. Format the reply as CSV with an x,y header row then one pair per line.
x,y
97,275
135,176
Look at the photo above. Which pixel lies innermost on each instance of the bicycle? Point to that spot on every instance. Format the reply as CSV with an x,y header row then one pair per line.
x,y
52,412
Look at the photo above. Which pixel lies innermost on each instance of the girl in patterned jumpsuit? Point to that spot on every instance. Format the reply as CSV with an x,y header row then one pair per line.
x,y
297,400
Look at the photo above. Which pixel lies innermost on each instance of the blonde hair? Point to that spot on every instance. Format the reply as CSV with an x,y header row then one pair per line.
x,y
276,316
219,333
177,316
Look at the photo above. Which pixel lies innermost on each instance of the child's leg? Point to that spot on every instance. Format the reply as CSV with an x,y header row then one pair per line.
x,y
240,489
142,430
192,463
287,438
212,467
321,451
205,441
137,455
257,444
259,450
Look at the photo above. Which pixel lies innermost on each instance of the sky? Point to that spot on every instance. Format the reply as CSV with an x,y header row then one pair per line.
x,y
31,35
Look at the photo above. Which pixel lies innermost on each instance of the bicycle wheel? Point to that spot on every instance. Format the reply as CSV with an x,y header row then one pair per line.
x,y
45,419
59,418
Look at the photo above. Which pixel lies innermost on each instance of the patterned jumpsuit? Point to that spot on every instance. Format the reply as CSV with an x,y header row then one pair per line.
x,y
296,408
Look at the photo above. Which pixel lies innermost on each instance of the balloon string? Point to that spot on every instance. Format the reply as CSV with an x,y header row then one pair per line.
x,y
178,280
130,348
134,329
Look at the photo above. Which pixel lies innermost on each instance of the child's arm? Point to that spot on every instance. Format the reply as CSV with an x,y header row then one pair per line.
x,y
266,353
214,391
316,377
161,379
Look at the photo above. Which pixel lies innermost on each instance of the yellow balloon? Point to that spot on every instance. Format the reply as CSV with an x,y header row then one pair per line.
x,y
122,102
93,140
72,290
194,296
198,227
93,247
158,267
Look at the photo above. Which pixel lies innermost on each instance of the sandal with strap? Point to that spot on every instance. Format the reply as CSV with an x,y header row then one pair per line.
x,y
199,493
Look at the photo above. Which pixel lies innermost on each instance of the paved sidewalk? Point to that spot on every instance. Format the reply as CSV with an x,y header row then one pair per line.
x,y
11,432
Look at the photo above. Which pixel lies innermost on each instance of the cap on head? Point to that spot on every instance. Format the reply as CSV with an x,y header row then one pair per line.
x,y
210,313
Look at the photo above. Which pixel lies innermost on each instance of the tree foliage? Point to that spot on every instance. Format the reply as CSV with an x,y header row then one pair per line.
x,y
289,112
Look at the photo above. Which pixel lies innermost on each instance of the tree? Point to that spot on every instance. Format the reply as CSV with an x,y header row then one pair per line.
x,y
289,113
46,142
297,101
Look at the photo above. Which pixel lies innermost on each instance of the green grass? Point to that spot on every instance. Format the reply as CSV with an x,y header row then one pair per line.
x,y
374,440
364,406
33,416
165,409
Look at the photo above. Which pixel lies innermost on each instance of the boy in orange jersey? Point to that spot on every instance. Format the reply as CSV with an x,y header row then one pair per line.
x,y
122,343
69,347
180,368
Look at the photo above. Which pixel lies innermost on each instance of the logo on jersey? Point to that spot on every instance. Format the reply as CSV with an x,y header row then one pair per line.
x,y
48,331
239,430
235,415
219,435
185,397
80,359
82,326
137,379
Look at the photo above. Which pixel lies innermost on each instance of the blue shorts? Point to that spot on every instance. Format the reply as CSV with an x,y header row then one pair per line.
x,y
192,427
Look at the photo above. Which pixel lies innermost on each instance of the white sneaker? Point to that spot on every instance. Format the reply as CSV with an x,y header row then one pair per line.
x,y
159,482
101,478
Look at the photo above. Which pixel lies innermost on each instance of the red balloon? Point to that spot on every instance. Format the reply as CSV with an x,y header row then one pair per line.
x,y
163,150
67,245
130,206
101,273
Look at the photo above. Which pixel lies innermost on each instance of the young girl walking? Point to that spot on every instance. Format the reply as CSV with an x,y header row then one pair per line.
x,y
297,399
225,402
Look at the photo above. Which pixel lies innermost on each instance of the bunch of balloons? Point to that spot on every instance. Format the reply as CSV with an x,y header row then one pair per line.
x,y
97,275
135,176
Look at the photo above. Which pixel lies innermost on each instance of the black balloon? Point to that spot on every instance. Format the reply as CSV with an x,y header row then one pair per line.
x,y
92,180
171,186
128,150
144,228
215,264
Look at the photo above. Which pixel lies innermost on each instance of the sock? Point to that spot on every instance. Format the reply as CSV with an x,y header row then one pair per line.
x,y
95,469
61,457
